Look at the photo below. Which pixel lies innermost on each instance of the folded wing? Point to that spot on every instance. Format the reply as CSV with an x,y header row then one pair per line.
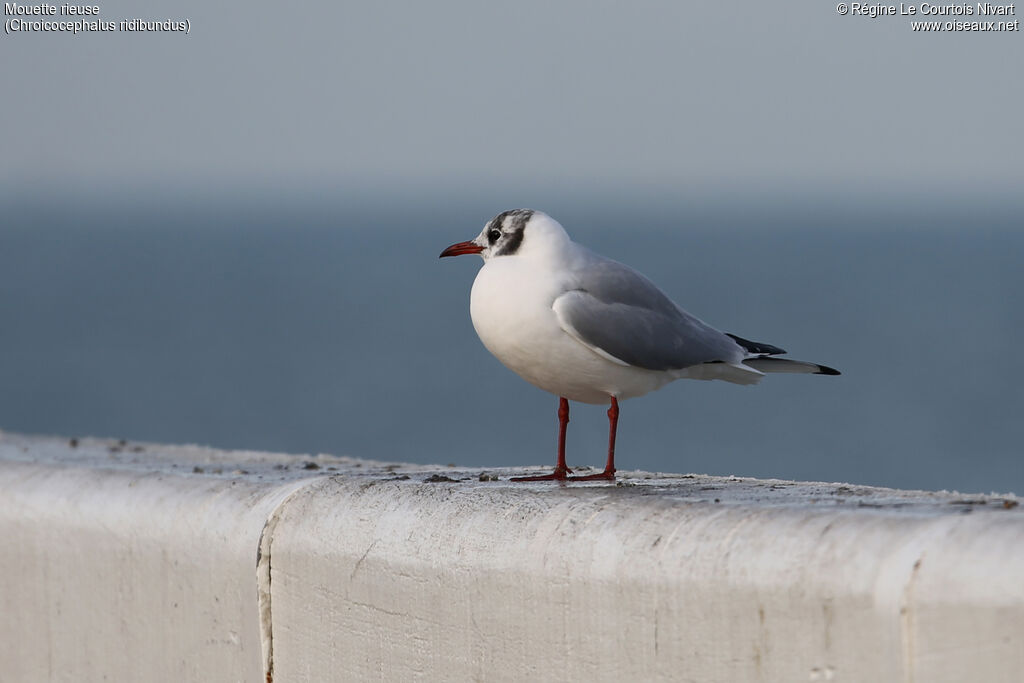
x,y
622,316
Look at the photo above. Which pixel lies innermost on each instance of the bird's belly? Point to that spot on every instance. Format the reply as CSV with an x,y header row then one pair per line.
x,y
520,328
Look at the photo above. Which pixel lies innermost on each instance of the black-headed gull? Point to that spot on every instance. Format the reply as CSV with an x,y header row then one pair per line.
x,y
590,329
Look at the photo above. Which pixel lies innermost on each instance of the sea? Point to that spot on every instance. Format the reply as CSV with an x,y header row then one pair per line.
x,y
318,324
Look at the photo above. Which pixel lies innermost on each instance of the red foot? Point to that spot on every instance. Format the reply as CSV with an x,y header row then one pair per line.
x,y
608,475
558,475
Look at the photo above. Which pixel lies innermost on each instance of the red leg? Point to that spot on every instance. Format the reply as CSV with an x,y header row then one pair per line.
x,y
609,467
561,471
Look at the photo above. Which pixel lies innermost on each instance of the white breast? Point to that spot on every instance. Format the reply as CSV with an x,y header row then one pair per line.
x,y
511,307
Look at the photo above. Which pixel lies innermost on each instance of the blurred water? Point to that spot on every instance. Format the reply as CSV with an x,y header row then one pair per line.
x,y
331,326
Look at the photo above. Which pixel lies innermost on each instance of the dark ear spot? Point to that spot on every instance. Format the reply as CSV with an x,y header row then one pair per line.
x,y
516,227
512,241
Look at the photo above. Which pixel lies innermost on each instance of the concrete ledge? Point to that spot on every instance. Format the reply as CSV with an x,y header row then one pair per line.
x,y
140,562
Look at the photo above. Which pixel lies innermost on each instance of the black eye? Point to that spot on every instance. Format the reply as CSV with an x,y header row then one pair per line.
x,y
493,236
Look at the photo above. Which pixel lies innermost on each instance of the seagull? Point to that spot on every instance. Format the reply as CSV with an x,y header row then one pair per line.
x,y
589,329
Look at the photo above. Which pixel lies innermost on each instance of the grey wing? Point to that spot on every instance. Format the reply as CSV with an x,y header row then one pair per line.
x,y
621,315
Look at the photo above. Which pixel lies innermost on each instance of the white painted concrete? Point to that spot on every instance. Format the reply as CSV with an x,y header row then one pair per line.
x,y
125,566
122,563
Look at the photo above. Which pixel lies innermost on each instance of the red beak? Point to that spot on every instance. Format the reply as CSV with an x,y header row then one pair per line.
x,y
461,248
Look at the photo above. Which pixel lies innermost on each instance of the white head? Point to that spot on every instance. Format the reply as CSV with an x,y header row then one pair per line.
x,y
519,232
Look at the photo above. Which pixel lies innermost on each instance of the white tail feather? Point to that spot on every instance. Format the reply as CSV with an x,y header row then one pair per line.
x,y
730,372
782,365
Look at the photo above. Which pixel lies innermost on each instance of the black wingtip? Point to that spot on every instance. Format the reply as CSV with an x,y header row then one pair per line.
x,y
823,370
756,347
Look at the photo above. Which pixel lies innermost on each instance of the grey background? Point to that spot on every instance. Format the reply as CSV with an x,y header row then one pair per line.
x,y
230,237
688,97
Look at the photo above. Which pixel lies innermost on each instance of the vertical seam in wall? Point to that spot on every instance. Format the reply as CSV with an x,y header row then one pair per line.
x,y
263,578
907,623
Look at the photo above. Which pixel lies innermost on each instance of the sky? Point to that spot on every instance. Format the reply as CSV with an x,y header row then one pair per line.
x,y
662,97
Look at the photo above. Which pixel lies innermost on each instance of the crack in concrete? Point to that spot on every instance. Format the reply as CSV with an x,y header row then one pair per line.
x,y
359,563
907,622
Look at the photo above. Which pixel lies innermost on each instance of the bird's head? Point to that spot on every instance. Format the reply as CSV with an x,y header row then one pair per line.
x,y
518,232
